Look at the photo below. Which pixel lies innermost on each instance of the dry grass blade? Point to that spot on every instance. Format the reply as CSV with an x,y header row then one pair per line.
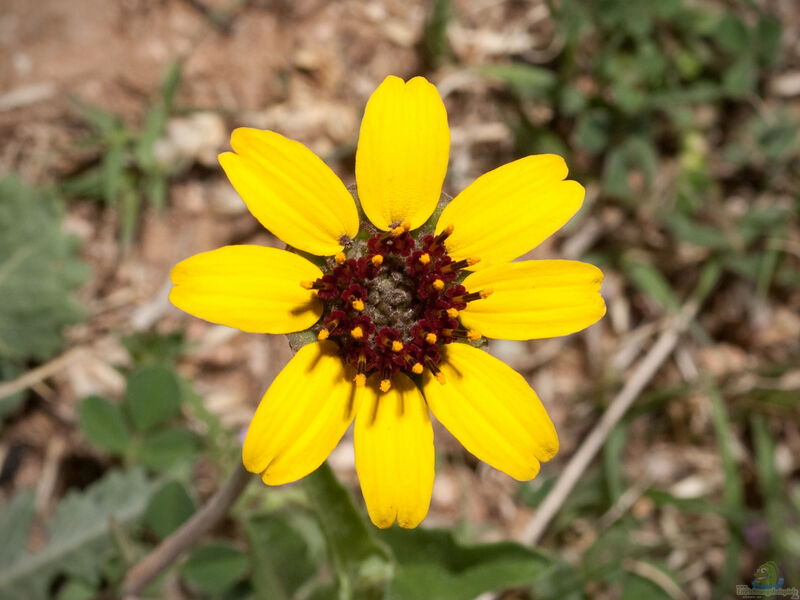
x,y
642,375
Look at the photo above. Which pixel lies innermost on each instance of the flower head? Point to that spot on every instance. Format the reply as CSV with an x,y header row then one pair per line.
x,y
396,303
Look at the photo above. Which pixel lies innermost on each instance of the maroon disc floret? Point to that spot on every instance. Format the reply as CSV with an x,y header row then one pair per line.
x,y
394,303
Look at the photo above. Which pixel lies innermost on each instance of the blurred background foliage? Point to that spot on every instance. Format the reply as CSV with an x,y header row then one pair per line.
x,y
680,117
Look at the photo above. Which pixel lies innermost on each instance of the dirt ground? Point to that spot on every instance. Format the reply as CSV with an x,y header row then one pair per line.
x,y
306,69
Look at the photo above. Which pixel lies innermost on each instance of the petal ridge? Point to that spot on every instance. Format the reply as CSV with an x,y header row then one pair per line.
x,y
394,453
402,153
492,411
534,299
252,288
510,210
290,190
302,416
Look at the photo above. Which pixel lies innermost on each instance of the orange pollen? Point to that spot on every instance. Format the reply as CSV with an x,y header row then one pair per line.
x,y
401,229
440,377
377,260
323,334
397,346
357,333
340,258
386,385
306,285
438,285
360,380
425,258
452,313
474,260
431,338
417,368
473,335
357,304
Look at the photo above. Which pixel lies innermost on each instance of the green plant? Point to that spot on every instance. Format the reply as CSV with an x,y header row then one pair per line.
x,y
128,169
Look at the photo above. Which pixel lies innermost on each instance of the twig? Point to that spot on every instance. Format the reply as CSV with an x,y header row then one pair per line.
x,y
28,94
624,503
661,579
642,375
40,373
163,555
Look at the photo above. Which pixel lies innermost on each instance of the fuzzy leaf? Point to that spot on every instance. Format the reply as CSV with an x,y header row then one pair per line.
x,y
282,556
214,568
153,395
15,520
78,535
103,425
362,564
169,508
38,273
431,564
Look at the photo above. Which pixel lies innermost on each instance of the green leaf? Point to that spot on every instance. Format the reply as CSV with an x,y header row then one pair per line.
x,y
768,40
527,81
214,568
103,425
128,214
628,98
104,122
281,554
732,491
153,395
687,229
39,272
635,587
147,348
758,221
769,480
77,589
361,563
637,152
112,167
740,78
434,37
8,372
84,185
431,564
168,509
732,34
154,121
593,130
15,521
613,461
78,535
157,190
689,505
171,83
651,282
572,100
165,449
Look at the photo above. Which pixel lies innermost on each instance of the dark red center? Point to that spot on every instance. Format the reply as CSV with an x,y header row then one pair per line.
x,y
393,307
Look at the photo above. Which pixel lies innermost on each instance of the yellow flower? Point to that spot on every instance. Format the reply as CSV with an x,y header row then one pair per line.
x,y
397,302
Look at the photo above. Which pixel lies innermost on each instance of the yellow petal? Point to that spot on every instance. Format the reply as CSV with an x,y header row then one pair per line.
x,y
302,417
252,288
492,411
510,210
402,152
290,190
394,453
534,299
